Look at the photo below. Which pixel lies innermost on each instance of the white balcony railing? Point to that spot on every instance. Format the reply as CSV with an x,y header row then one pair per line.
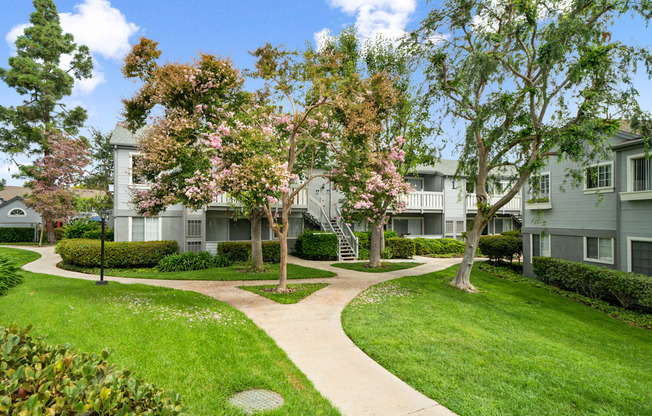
x,y
222,200
513,205
425,200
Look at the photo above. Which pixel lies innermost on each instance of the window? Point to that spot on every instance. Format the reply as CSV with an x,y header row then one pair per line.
x,y
640,256
600,176
144,229
296,227
194,228
641,174
136,179
544,186
416,183
460,227
540,245
449,227
407,226
17,212
599,249
194,246
502,225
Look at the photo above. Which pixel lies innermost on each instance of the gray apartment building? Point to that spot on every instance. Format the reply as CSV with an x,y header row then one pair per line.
x,y
605,222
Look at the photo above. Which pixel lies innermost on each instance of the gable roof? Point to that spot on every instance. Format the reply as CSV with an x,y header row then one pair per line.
x,y
11,192
11,201
122,136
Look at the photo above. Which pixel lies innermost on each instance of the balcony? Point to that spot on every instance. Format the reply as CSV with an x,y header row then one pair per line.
x,y
512,206
425,201
223,200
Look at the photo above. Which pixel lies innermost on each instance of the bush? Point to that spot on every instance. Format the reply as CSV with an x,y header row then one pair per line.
x,y
515,233
452,246
498,247
428,247
316,245
9,276
59,234
97,234
185,262
400,248
76,229
625,288
42,379
86,253
241,250
364,238
16,234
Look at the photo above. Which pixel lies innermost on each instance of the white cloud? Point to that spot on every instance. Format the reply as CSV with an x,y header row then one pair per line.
x,y
14,33
9,169
378,17
322,37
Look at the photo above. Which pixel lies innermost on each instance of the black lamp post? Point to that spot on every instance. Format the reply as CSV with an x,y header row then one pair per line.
x,y
104,214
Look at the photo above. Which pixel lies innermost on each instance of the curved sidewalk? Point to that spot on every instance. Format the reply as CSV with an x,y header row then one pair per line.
x,y
311,333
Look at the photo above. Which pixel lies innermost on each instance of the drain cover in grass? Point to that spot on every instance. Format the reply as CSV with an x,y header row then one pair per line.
x,y
252,401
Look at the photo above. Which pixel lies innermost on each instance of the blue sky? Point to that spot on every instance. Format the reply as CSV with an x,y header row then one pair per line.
x,y
227,28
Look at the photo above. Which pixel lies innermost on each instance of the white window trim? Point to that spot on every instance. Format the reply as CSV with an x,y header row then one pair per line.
x,y
591,260
630,173
532,246
410,218
160,228
130,172
543,205
416,178
603,189
24,213
629,249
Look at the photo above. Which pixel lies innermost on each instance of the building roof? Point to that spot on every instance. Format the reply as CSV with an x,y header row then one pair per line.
x,y
10,201
11,192
444,166
122,136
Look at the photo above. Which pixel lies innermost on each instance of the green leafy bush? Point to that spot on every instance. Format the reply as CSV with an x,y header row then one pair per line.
x,y
16,234
428,247
625,288
185,262
452,246
364,238
78,228
498,247
9,276
400,248
514,233
97,234
316,245
38,379
59,233
241,250
82,252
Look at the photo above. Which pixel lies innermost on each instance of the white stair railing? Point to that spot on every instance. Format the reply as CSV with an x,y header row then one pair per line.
x,y
348,233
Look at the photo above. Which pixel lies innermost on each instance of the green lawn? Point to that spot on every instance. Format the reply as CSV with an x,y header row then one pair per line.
x,y
511,349
190,343
387,266
300,291
222,273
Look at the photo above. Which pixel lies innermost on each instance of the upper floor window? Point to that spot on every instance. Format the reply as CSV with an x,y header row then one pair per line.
x,y
17,212
136,179
416,183
641,178
600,176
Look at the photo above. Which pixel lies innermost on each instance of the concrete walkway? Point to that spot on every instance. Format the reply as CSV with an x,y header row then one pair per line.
x,y
311,333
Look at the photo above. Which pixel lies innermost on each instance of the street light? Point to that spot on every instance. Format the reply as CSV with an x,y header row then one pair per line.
x,y
104,214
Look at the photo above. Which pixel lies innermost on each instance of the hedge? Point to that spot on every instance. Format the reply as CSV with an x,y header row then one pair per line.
x,y
185,262
9,276
626,288
78,228
316,245
498,247
364,238
37,378
241,250
83,252
400,248
433,247
97,234
16,234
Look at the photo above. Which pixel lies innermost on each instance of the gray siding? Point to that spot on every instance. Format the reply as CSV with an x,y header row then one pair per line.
x,y
29,220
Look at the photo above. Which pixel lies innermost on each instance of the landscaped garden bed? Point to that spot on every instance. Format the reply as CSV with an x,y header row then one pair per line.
x,y
386,266
294,294
195,345
512,348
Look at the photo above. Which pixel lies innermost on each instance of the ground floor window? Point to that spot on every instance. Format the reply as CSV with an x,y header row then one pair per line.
x,y
408,226
145,229
641,256
599,249
502,225
194,246
449,227
540,245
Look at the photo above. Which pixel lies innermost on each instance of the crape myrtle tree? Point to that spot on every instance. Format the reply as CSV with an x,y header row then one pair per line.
x,y
383,134
531,80
52,179
36,73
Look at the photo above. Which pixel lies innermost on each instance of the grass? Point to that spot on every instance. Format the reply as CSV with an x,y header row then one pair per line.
x,y
386,266
20,257
512,349
222,273
179,340
298,291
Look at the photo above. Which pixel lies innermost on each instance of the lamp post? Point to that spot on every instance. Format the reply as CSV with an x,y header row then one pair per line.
x,y
104,214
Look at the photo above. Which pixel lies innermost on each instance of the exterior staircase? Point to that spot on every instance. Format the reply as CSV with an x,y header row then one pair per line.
x,y
345,250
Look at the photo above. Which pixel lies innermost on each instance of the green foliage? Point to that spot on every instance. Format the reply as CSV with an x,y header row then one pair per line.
x,y
400,248
97,234
101,175
241,250
16,234
39,379
626,289
316,245
514,233
295,293
92,204
9,276
499,247
183,262
438,247
78,228
82,252
364,238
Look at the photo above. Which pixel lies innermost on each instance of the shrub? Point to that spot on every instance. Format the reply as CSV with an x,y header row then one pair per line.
x,y
97,234
185,262
86,253
16,234
625,288
42,379
452,246
400,248
428,247
316,245
76,229
514,233
364,238
498,247
9,276
59,233
241,250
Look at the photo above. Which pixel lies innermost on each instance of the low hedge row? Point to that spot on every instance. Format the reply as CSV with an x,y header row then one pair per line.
x,y
364,238
433,247
16,234
628,289
84,252
9,276
39,379
97,234
185,262
241,250
400,248
499,247
316,245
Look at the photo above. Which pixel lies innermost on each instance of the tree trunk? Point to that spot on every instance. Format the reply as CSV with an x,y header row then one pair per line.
x,y
256,241
50,230
377,238
283,269
40,240
462,278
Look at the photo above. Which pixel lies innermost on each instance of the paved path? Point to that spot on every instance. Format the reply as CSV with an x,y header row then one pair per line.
x,y
311,334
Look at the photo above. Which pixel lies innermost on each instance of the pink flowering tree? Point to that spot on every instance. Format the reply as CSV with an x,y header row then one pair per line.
x,y
53,175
